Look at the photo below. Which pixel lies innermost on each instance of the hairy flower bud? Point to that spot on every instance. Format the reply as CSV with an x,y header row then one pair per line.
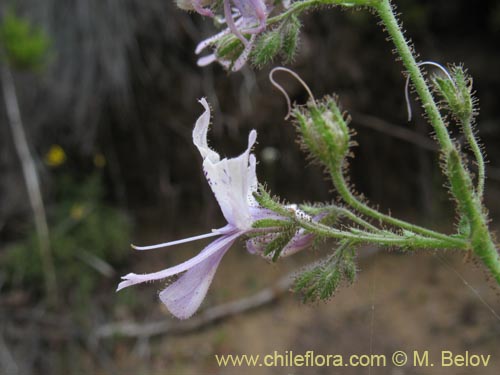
x,y
457,93
324,130
266,48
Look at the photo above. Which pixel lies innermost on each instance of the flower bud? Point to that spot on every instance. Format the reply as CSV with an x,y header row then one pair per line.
x,y
324,131
267,47
457,93
291,31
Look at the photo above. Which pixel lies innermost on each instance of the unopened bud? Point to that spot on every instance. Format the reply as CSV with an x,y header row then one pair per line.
x,y
457,93
267,47
324,130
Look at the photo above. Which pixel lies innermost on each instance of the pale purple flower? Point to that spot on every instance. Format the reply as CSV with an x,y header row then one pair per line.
x,y
233,182
247,17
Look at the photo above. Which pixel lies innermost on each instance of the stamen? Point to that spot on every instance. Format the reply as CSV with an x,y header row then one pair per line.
x,y
282,90
407,85
172,243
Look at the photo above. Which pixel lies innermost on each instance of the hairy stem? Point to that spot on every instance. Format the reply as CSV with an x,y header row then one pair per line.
x,y
460,181
476,150
384,239
354,202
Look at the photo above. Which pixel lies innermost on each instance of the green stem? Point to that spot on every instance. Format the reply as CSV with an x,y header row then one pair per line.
x,y
356,219
341,211
389,20
410,242
460,181
476,150
353,201
469,204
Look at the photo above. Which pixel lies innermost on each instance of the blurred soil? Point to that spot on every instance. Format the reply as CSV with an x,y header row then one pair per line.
x,y
399,302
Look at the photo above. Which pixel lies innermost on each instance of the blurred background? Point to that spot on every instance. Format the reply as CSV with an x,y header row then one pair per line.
x,y
107,94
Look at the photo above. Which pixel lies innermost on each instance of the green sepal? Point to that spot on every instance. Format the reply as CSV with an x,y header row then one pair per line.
x,y
265,200
322,281
266,48
290,39
275,247
324,130
329,283
461,184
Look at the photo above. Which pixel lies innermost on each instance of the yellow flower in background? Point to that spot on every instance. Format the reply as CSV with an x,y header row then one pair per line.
x,y
55,156
99,160
76,212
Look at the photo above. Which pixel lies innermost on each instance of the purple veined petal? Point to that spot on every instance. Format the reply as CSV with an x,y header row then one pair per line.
x,y
200,134
230,182
302,238
259,213
252,247
215,246
300,241
257,245
183,297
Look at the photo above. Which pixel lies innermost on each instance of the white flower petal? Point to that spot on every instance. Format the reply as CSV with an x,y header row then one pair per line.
x,y
231,181
183,297
206,60
200,134
217,245
210,41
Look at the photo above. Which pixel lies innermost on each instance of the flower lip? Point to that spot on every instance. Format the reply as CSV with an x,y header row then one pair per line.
x,y
233,182
215,246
